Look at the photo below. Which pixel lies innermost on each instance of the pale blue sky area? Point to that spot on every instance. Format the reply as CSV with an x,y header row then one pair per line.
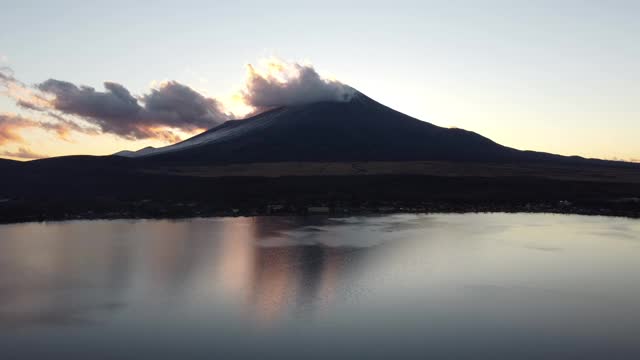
x,y
558,76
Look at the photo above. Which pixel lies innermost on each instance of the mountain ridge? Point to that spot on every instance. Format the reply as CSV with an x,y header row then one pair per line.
x,y
354,158
357,130
360,129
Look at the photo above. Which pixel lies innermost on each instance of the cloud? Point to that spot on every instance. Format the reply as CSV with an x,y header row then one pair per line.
x,y
12,124
166,110
24,96
177,105
277,83
22,153
64,126
6,75
170,106
85,101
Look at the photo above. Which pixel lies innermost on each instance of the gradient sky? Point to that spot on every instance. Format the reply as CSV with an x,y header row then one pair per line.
x,y
555,76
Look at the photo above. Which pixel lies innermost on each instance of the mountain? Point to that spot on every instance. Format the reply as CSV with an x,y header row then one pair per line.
x,y
301,156
141,152
358,130
6,164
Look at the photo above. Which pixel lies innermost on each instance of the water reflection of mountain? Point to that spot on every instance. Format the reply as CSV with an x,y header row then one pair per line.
x,y
293,278
283,280
62,273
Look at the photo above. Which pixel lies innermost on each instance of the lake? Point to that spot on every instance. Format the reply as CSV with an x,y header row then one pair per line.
x,y
471,286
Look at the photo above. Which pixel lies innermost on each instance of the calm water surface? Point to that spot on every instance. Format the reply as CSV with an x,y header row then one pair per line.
x,y
502,286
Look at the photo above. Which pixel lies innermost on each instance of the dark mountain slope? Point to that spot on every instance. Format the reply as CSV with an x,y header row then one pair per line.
x,y
359,130
8,164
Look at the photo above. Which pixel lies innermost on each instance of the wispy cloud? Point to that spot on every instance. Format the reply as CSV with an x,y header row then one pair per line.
x,y
12,124
24,95
22,153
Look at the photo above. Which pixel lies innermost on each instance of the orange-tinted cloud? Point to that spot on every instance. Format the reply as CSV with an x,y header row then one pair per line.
x,y
10,126
22,153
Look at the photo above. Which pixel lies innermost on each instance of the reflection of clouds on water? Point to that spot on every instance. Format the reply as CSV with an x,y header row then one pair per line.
x,y
269,269
278,266
60,276
616,234
274,267
174,250
624,231
59,315
71,275
284,285
295,278
347,232
542,248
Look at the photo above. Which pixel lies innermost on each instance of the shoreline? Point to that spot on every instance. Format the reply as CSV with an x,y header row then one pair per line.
x,y
98,195
340,212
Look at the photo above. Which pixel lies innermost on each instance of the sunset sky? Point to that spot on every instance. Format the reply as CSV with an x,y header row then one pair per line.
x,y
554,76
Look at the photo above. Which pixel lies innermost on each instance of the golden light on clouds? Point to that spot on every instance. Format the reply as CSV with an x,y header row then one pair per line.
x,y
273,68
84,120
25,96
62,118
235,104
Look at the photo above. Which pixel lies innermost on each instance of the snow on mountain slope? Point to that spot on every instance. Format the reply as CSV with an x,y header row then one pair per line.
x,y
227,131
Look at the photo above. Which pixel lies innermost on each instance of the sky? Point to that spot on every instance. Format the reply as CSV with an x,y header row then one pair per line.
x,y
554,76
